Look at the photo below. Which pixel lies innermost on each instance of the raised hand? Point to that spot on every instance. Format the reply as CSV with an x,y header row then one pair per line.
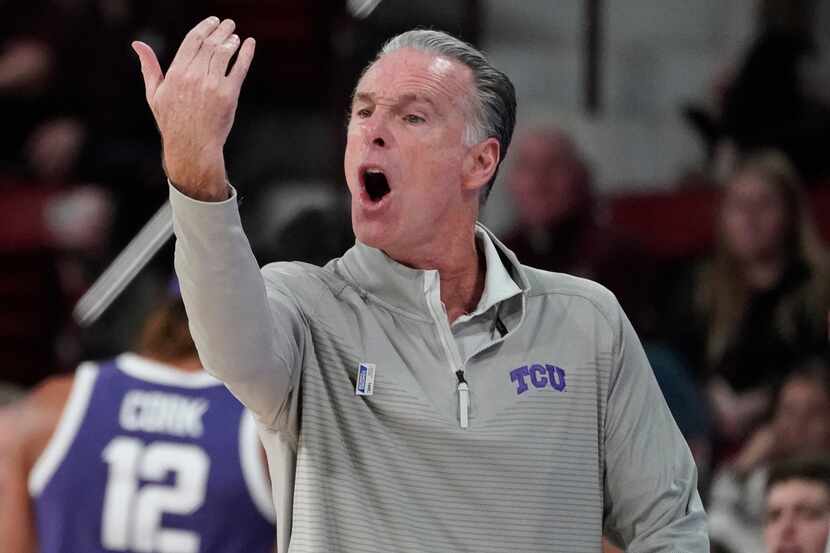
x,y
194,104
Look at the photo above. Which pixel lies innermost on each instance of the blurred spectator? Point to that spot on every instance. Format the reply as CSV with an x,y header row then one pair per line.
x,y
51,235
766,102
27,67
687,404
100,122
799,427
79,155
798,507
84,455
559,228
766,106
300,221
75,127
74,167
744,316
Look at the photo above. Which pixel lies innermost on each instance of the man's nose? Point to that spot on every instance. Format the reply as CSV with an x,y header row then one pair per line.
x,y
377,131
788,526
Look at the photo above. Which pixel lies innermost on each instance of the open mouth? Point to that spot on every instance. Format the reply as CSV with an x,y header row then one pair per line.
x,y
375,183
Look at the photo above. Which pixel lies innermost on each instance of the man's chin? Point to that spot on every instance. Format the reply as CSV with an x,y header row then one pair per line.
x,y
372,233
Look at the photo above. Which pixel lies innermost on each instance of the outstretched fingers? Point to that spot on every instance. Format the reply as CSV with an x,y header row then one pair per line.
x,y
243,63
192,43
150,68
222,55
213,43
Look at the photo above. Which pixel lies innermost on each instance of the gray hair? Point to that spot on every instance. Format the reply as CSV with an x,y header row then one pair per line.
x,y
493,104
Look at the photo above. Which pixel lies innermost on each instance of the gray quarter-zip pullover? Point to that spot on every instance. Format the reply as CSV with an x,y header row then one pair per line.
x,y
551,433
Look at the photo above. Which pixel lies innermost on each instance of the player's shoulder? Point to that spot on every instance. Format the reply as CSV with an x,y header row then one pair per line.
x,y
50,395
29,422
564,286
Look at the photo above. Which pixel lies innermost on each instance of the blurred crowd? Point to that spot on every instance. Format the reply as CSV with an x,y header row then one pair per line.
x,y
80,167
736,328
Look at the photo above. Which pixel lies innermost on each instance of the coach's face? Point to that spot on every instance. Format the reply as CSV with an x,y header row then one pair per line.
x,y
407,166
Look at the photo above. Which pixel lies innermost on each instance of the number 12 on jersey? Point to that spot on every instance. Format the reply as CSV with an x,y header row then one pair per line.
x,y
131,519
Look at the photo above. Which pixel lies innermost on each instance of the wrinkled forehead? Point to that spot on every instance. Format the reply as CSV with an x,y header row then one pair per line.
x,y
408,72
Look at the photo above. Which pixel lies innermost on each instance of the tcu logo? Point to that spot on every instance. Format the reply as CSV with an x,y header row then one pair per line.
x,y
540,376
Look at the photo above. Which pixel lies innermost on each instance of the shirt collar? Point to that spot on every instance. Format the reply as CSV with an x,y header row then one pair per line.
x,y
498,286
375,274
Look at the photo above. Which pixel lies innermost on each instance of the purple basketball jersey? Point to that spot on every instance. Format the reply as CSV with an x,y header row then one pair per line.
x,y
150,459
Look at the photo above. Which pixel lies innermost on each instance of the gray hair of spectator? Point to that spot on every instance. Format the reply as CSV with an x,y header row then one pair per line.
x,y
812,469
493,105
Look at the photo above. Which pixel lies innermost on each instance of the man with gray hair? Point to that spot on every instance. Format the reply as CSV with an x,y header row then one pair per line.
x,y
424,392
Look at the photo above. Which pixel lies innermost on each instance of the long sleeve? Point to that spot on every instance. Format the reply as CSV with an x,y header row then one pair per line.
x,y
652,503
249,337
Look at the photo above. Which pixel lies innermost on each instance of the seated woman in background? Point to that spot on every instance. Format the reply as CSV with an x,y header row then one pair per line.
x,y
760,302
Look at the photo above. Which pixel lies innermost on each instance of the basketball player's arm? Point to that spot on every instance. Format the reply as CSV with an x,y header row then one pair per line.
x,y
29,424
651,499
245,336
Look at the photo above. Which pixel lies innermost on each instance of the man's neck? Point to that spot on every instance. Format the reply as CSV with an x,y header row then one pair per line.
x,y
461,269
462,287
187,363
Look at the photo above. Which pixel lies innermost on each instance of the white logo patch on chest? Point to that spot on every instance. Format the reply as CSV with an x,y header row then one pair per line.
x,y
365,381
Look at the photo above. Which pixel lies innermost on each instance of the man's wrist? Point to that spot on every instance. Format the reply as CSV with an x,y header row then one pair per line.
x,y
206,193
201,177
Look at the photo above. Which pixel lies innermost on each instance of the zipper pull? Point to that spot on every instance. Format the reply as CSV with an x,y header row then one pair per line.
x,y
463,399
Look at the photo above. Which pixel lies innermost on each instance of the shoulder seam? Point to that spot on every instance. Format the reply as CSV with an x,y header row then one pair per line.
x,y
596,304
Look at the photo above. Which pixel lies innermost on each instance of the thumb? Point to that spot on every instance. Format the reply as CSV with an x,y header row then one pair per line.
x,y
150,68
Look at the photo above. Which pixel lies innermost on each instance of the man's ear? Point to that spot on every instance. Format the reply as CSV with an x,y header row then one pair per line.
x,y
480,164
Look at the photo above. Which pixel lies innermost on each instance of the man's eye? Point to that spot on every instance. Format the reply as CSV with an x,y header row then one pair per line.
x,y
414,119
363,113
810,512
